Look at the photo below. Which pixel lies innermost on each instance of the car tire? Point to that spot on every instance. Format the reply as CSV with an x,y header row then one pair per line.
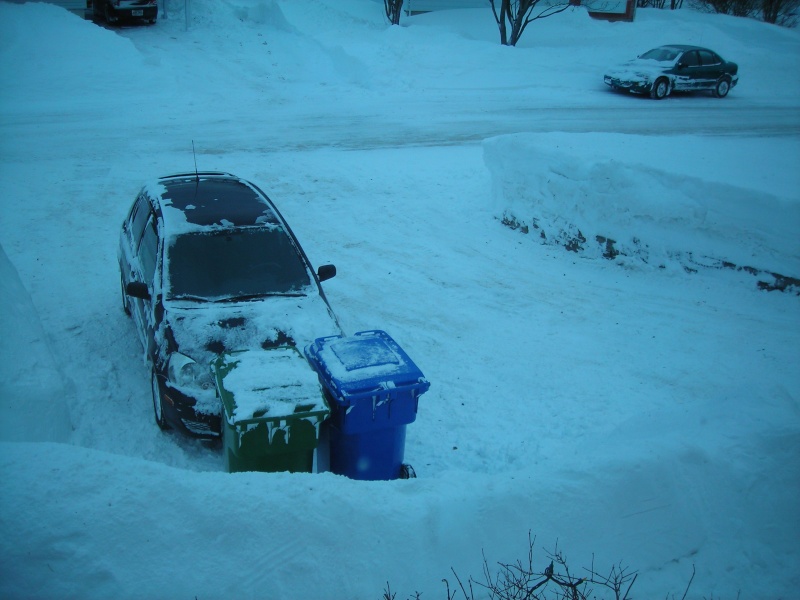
x,y
107,13
722,88
660,89
126,307
158,404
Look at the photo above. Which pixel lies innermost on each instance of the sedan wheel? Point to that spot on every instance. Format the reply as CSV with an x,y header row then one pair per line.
x,y
158,406
723,87
660,89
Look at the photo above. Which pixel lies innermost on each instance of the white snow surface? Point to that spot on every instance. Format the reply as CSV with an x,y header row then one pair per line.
x,y
630,410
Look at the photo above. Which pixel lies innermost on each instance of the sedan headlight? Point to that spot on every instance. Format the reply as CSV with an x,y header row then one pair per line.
x,y
185,371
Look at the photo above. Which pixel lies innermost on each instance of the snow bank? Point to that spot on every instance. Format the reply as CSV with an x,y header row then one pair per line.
x,y
64,52
641,200
32,389
134,528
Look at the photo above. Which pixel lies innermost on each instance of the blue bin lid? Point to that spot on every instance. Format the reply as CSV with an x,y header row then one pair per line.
x,y
364,363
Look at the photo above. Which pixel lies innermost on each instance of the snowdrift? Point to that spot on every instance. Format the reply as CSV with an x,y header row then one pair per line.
x,y
660,209
33,392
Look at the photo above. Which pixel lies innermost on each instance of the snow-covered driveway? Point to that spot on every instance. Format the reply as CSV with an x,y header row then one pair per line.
x,y
629,411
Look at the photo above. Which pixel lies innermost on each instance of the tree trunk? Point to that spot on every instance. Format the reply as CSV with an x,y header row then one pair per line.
x,y
393,10
505,9
516,15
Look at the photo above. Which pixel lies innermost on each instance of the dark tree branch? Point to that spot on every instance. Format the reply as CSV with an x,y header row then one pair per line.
x,y
516,15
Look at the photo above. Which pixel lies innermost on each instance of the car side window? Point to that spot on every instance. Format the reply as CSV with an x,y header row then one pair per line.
x,y
690,59
148,251
709,58
141,211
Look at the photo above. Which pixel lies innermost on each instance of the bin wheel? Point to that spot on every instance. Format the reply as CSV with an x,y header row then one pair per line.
x,y
407,472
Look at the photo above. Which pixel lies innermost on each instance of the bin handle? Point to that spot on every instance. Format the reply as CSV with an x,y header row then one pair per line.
x,y
369,332
409,386
385,388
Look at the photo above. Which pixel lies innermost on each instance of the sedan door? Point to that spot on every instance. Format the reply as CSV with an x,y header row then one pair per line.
x,y
711,69
687,71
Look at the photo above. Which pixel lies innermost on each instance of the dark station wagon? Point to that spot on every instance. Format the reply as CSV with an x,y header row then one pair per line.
x,y
208,265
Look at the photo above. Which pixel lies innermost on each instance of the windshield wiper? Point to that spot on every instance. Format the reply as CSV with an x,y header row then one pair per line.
x,y
246,297
190,298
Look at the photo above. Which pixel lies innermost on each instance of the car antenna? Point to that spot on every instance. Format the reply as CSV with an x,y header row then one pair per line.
x,y
196,174
194,154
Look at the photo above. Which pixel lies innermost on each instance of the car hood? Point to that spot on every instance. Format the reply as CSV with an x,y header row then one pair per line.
x,y
638,68
202,331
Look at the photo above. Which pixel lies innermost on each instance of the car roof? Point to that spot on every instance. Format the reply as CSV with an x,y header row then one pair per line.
x,y
684,47
212,200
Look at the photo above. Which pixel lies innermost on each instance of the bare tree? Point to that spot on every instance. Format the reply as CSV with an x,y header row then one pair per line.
x,y
393,10
738,8
522,581
515,15
673,4
781,12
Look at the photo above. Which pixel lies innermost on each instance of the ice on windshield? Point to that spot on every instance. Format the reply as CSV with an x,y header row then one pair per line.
x,y
234,264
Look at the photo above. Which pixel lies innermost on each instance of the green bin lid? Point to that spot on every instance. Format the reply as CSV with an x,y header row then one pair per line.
x,y
272,383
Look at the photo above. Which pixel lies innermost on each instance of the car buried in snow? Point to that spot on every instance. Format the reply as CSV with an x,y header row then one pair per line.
x,y
207,266
675,68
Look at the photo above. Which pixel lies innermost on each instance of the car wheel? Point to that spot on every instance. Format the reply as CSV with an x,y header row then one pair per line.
x,y
125,305
107,13
158,405
722,88
660,89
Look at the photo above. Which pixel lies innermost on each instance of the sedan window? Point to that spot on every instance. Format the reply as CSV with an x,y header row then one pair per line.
x,y
709,58
690,59
235,264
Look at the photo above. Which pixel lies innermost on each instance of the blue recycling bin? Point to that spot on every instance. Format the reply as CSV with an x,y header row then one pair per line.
x,y
373,389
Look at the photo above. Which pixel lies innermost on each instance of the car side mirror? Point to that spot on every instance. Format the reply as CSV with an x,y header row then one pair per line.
x,y
681,65
326,272
137,289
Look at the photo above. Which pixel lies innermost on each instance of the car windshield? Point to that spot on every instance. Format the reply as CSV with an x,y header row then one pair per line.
x,y
661,54
234,264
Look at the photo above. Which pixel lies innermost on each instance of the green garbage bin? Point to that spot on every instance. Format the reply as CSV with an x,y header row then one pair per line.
x,y
272,409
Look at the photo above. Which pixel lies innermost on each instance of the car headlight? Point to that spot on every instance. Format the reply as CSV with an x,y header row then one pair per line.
x,y
185,371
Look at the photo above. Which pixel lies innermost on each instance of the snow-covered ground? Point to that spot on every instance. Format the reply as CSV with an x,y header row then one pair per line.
x,y
644,409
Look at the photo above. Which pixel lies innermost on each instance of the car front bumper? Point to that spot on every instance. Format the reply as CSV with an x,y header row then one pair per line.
x,y
148,13
179,412
636,86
